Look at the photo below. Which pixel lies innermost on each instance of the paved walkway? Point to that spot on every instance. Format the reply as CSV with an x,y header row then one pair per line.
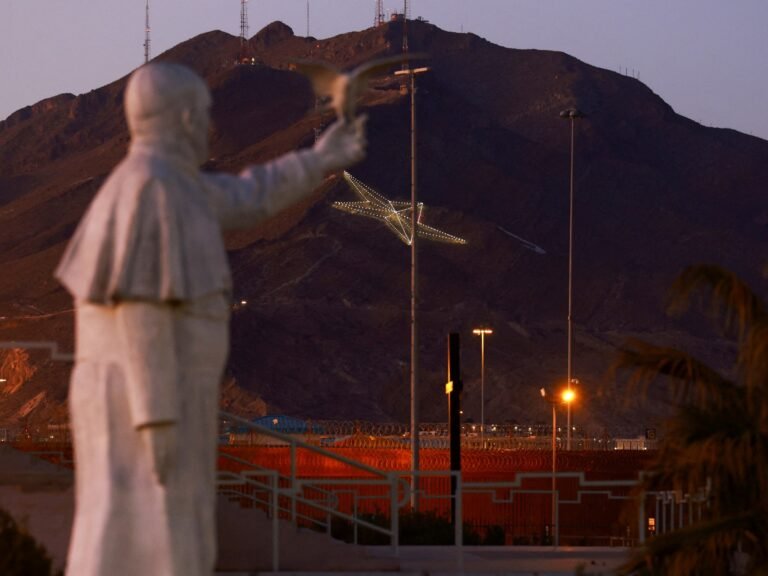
x,y
492,560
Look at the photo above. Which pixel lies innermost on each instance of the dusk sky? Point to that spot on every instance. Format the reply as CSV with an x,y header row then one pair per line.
x,y
706,58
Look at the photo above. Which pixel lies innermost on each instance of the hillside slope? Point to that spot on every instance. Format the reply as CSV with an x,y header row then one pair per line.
x,y
325,331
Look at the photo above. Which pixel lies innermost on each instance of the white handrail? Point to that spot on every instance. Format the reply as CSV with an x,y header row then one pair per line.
x,y
399,488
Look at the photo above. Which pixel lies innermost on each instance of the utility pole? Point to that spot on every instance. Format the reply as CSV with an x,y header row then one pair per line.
x,y
572,115
482,332
412,72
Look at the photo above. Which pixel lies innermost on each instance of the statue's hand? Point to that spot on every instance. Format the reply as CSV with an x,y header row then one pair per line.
x,y
342,144
160,441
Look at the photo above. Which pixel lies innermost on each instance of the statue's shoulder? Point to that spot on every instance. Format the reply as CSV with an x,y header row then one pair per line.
x,y
136,174
131,169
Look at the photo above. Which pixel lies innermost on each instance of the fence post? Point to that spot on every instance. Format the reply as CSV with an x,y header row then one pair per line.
x,y
458,519
394,513
275,525
354,514
294,489
641,520
556,527
458,522
671,510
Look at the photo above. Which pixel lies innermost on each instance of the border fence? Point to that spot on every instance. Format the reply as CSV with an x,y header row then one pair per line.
x,y
344,479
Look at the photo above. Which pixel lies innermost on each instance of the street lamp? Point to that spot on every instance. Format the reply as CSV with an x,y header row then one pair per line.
x,y
572,114
412,72
566,397
482,332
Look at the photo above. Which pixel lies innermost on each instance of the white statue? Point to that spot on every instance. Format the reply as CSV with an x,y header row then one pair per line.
x,y
148,271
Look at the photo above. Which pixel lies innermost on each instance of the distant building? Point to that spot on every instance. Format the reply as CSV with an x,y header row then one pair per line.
x,y
639,443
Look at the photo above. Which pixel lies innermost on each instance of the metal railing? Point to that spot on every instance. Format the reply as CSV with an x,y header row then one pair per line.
x,y
350,489
673,510
315,501
309,501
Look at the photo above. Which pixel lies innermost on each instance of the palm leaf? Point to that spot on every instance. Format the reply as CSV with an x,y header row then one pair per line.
x,y
753,361
716,443
722,451
731,299
691,380
741,312
703,548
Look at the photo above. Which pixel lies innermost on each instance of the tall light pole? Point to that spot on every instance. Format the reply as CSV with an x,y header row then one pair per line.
x,y
572,114
412,72
566,397
482,332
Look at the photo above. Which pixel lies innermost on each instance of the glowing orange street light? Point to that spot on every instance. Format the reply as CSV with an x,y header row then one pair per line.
x,y
566,397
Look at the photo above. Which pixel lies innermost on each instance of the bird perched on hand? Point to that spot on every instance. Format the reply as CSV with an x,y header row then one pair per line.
x,y
344,88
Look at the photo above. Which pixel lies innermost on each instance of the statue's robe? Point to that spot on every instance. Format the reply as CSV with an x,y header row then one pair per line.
x,y
149,253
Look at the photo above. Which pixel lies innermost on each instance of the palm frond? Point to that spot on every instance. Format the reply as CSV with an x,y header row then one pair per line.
x,y
741,311
734,467
691,380
716,443
703,548
732,301
753,360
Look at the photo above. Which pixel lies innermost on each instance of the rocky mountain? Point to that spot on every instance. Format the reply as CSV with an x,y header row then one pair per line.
x,y
324,331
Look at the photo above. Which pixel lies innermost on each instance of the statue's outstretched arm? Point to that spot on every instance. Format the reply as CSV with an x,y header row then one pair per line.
x,y
264,190
146,335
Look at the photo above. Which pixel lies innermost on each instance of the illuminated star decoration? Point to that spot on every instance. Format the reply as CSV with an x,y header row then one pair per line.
x,y
395,214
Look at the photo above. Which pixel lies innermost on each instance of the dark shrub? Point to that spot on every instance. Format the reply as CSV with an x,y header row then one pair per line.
x,y
20,554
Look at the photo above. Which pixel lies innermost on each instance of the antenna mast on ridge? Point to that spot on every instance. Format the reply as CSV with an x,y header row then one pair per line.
x,y
378,19
243,59
243,21
147,54
406,13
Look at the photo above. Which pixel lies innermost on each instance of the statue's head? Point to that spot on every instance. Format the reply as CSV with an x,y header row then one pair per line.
x,y
168,101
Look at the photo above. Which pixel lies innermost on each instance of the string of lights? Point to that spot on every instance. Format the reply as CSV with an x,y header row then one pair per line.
x,y
395,214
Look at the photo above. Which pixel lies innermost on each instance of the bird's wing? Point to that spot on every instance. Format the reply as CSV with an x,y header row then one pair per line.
x,y
322,76
372,68
368,70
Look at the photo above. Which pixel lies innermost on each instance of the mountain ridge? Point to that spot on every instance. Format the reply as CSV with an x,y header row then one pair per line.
x,y
325,330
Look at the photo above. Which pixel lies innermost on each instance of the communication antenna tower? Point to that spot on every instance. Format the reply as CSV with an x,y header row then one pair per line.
x,y
243,59
406,13
379,16
307,18
243,21
147,54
